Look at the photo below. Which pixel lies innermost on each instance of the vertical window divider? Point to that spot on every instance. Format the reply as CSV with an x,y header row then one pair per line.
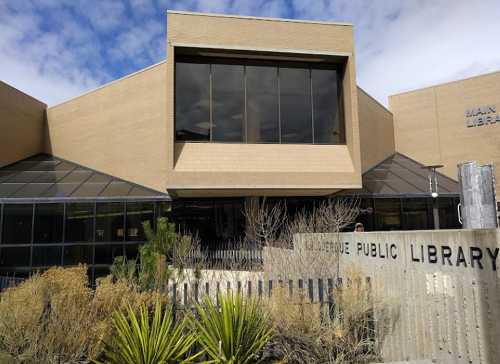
x,y
279,104
312,104
245,102
210,79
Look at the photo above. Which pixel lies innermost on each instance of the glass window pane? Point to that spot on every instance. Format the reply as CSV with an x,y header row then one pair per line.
x,y
99,178
137,213
17,224
192,101
51,176
89,189
7,189
5,175
32,190
448,215
262,104
76,254
295,103
77,176
48,223
79,222
109,221
61,190
106,254
140,192
132,251
228,103
46,256
116,189
328,120
15,257
387,214
25,177
417,214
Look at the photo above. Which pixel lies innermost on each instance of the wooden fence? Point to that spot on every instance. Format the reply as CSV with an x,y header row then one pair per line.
x,y
6,282
227,258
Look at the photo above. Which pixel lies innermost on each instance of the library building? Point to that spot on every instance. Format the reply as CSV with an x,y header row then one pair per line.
x,y
241,109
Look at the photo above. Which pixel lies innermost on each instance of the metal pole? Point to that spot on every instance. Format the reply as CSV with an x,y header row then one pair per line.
x,y
435,213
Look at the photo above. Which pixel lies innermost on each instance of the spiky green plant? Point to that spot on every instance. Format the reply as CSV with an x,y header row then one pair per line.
x,y
141,340
234,333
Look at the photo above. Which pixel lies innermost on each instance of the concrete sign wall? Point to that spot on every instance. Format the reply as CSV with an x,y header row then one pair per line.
x,y
444,287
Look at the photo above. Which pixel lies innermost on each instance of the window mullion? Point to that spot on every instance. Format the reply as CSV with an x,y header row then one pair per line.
x,y
210,77
279,105
312,104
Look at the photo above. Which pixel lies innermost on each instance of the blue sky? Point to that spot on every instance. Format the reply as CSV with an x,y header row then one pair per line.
x,y
58,49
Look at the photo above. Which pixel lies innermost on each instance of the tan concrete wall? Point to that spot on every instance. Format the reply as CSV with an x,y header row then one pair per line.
x,y
22,121
430,124
119,129
247,169
376,131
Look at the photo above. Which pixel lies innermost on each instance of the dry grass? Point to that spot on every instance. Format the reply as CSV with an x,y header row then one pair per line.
x,y
305,334
56,318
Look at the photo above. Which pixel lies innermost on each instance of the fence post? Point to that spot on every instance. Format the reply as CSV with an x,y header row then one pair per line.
x,y
196,287
270,287
239,287
185,295
331,304
320,296
310,287
174,301
260,288
207,289
249,287
218,293
290,288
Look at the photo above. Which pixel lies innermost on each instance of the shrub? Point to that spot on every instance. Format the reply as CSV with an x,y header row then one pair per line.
x,y
140,339
56,318
235,333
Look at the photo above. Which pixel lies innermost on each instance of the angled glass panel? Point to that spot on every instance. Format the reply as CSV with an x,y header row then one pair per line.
x,y
295,105
5,175
77,176
137,214
76,254
64,166
25,177
32,190
15,257
17,221
22,166
51,176
228,103
328,120
46,165
49,220
99,178
417,214
109,221
262,104
137,191
79,222
46,256
192,101
89,189
61,190
106,254
8,189
115,189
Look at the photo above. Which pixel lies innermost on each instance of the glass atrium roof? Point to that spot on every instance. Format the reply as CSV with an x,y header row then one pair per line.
x,y
44,177
401,176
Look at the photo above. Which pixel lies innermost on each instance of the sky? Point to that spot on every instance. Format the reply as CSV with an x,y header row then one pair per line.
x,y
54,50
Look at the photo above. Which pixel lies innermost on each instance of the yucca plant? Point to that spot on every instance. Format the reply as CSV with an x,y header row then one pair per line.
x,y
140,339
234,333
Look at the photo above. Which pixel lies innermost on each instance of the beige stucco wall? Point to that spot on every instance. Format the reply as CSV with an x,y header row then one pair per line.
x,y
198,169
376,131
430,124
118,129
21,125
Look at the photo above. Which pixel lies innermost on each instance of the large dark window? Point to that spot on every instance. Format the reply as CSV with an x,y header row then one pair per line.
x,y
228,103
17,221
79,222
137,214
192,101
109,221
76,254
15,257
416,214
257,101
328,123
295,105
49,220
262,104
46,256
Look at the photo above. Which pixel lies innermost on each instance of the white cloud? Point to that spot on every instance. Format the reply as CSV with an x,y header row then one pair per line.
x,y
56,49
